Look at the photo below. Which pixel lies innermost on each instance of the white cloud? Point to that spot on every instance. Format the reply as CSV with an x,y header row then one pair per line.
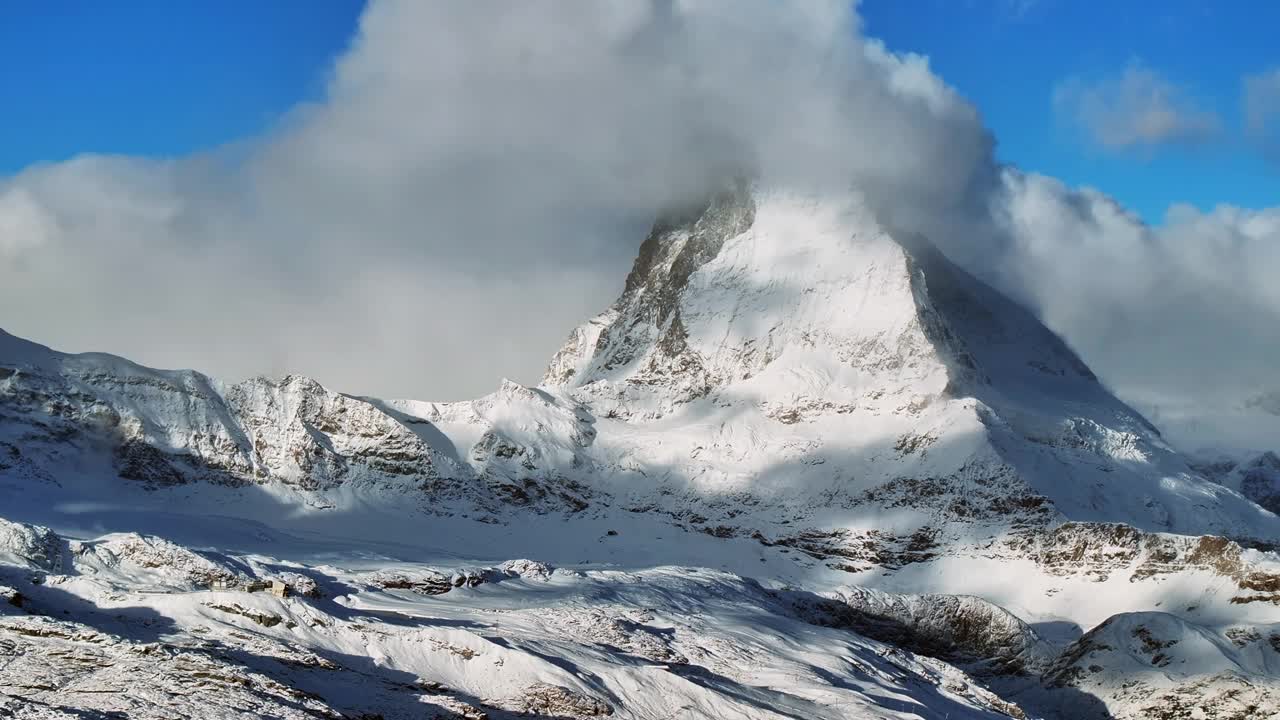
x,y
1182,315
1261,101
1134,109
24,225
1020,9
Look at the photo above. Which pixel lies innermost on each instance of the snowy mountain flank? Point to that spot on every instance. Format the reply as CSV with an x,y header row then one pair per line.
x,y
803,467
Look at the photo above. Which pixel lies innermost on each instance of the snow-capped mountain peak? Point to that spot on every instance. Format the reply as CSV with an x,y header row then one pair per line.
x,y
806,312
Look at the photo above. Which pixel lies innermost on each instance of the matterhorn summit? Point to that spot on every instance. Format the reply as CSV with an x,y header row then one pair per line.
x,y
812,334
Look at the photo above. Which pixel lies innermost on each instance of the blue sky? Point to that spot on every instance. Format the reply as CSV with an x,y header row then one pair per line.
x,y
1007,56
157,77
161,78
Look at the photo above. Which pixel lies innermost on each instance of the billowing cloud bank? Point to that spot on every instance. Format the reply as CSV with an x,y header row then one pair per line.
x,y
1183,320
479,175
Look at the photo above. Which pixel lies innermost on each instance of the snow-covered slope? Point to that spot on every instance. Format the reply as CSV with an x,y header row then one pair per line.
x,y
520,640
1154,664
786,390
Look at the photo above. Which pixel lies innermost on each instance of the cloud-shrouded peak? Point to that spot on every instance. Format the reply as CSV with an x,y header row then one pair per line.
x,y
473,184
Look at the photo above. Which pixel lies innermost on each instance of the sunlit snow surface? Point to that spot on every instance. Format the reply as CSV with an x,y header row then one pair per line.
x,y
792,432
148,640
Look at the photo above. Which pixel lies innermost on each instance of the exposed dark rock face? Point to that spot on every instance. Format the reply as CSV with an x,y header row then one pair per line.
x,y
1098,550
554,701
964,630
264,619
645,323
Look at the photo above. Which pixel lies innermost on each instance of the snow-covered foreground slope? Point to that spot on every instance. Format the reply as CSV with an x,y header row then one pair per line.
x,y
125,626
792,418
